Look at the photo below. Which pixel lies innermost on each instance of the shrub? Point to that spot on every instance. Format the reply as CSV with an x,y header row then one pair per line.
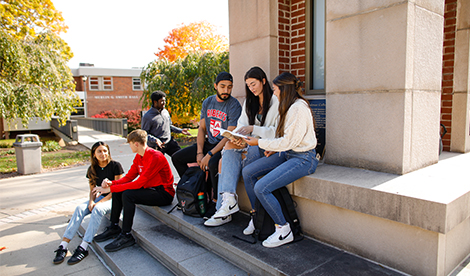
x,y
133,117
50,145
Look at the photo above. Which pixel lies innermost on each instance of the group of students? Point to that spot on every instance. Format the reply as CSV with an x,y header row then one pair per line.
x,y
279,149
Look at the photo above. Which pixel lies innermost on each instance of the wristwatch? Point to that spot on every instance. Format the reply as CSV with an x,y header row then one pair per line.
x,y
210,153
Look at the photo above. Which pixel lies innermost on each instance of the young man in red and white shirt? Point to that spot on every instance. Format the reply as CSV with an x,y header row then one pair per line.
x,y
153,187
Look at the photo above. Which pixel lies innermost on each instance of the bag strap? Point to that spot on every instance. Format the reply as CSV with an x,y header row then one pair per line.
x,y
173,208
245,239
290,207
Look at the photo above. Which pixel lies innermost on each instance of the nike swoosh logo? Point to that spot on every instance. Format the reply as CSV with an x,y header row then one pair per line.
x,y
231,207
282,238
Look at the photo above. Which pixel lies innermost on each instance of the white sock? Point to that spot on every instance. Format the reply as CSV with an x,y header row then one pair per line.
x,y
84,245
64,244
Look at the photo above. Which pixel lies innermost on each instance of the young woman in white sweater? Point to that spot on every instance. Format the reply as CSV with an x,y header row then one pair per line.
x,y
288,157
259,118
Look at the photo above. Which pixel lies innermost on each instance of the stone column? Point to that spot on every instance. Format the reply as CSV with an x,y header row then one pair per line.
x,y
253,40
383,83
460,140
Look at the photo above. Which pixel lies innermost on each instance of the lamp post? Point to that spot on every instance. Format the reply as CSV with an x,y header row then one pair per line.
x,y
85,107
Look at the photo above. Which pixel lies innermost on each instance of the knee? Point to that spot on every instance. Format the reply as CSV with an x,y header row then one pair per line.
x,y
127,196
260,189
246,173
99,211
80,209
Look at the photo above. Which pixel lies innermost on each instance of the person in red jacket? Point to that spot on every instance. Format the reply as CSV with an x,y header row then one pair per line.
x,y
153,187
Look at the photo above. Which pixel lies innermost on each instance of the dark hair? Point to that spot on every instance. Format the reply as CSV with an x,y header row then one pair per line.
x,y
95,162
252,105
157,95
290,88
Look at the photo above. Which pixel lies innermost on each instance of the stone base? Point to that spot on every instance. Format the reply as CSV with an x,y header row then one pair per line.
x,y
417,223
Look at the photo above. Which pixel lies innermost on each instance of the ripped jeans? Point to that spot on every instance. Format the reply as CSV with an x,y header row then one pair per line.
x,y
232,165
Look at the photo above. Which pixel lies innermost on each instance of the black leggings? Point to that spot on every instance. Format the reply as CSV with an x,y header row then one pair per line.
x,y
126,200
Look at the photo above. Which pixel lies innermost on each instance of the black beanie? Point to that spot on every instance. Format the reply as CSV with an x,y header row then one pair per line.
x,y
223,76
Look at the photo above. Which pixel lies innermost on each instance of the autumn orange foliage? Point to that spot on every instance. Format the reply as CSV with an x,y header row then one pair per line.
x,y
195,37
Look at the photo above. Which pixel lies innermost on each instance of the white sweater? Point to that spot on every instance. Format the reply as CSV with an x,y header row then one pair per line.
x,y
299,132
270,124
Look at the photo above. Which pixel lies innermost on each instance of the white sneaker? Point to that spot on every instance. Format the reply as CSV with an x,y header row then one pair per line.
x,y
282,235
217,221
229,206
249,229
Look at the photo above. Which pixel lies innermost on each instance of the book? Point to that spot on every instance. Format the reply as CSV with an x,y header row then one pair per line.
x,y
232,136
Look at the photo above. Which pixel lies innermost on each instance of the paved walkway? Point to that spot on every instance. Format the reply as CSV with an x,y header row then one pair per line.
x,y
35,209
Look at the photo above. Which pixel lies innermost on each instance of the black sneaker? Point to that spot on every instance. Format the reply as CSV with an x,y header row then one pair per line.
x,y
78,256
210,210
110,233
120,242
60,255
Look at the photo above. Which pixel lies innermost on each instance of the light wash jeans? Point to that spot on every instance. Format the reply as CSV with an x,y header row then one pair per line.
x,y
279,170
232,165
82,211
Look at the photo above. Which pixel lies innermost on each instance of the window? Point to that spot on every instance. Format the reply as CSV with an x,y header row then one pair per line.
x,y
136,84
101,83
315,52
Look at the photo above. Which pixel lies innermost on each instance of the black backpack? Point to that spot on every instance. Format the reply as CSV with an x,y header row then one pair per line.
x,y
191,183
264,224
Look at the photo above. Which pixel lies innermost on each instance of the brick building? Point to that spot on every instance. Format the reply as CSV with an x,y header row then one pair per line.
x,y
107,89
388,73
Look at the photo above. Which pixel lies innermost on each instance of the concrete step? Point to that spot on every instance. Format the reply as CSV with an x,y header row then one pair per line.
x,y
133,260
160,249
307,257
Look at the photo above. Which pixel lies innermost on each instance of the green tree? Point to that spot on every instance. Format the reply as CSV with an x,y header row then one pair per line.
x,y
187,82
35,80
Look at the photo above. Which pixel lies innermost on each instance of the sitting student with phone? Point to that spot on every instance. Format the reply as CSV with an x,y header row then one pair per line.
x,y
102,167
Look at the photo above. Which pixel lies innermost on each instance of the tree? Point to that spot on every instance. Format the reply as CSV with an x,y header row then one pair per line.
x,y
195,37
35,80
187,82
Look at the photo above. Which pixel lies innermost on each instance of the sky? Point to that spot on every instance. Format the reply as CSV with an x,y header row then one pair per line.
x,y
126,34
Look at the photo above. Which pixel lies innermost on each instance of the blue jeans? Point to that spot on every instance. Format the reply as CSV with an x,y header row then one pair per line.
x,y
232,165
82,211
279,170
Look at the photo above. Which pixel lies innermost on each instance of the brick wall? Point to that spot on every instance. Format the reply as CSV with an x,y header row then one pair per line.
x,y
450,20
122,97
292,37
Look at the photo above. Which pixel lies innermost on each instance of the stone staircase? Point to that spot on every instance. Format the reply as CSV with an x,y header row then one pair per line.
x,y
176,244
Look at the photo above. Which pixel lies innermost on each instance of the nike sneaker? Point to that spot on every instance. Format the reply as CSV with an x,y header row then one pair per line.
x,y
282,235
229,206
217,221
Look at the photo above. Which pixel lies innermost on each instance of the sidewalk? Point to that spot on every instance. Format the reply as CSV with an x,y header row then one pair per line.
x,y
35,210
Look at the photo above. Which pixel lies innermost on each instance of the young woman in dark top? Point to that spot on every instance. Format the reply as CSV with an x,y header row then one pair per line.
x,y
101,167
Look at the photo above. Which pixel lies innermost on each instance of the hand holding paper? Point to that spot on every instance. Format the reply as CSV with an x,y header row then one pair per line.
x,y
234,137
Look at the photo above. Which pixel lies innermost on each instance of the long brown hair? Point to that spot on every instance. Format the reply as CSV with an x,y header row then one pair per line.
x,y
252,105
95,162
290,88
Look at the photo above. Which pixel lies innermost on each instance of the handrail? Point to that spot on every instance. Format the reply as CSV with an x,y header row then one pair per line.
x,y
111,126
70,129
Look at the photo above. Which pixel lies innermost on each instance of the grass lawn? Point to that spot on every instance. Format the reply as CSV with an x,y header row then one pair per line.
x,y
67,156
193,131
49,160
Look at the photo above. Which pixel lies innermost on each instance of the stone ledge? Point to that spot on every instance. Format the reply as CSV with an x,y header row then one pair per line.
x,y
434,198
